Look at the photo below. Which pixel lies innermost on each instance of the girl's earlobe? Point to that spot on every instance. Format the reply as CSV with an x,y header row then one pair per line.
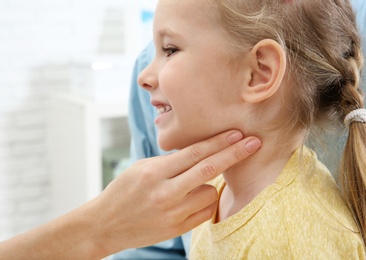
x,y
267,68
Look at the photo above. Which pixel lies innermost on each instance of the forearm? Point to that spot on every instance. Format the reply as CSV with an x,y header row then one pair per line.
x,y
72,236
152,201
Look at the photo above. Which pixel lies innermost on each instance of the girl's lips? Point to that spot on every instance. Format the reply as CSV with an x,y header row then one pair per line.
x,y
161,107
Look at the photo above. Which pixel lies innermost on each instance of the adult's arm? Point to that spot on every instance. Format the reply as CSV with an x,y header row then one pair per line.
x,y
153,200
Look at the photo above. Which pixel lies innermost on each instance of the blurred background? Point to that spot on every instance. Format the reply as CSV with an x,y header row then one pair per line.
x,y
65,71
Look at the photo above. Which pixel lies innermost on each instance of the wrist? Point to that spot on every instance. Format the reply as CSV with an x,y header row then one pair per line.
x,y
103,235
88,235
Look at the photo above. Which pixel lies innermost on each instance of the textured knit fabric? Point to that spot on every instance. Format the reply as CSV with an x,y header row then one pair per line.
x,y
301,216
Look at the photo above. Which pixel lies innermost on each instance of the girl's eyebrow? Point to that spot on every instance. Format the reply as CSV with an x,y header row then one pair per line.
x,y
165,32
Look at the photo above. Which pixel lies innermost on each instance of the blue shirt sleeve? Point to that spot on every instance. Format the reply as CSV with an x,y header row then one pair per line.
x,y
143,145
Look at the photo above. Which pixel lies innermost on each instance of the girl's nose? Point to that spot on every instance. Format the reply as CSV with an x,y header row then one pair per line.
x,y
148,79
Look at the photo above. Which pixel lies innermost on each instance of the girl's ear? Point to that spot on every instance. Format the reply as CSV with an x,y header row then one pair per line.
x,y
267,66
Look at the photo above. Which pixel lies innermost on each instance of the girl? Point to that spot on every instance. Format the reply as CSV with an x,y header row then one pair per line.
x,y
275,69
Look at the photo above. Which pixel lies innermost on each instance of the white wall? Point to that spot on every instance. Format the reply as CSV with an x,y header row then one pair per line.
x,y
39,42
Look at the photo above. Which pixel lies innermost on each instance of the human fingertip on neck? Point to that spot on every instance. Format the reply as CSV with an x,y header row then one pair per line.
x,y
234,137
253,145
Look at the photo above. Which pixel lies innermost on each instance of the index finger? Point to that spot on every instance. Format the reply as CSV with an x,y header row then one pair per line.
x,y
180,161
215,164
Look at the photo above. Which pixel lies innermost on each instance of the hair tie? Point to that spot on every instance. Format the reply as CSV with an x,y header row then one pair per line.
x,y
358,115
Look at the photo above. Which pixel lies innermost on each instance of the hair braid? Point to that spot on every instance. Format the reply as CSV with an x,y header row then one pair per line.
x,y
353,165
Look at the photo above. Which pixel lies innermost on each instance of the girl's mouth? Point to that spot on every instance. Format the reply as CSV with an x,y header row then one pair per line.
x,y
163,109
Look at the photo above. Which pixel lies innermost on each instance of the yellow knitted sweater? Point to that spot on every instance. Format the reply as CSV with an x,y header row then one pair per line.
x,y
301,216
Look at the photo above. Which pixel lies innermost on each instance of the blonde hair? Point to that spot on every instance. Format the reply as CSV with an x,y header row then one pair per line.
x,y
324,56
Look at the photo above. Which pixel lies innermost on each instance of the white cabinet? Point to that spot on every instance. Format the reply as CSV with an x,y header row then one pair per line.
x,y
74,134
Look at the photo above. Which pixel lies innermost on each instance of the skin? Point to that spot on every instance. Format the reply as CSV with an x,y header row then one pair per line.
x,y
210,88
196,67
168,190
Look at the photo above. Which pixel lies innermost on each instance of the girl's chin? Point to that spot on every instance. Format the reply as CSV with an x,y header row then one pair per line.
x,y
173,143
169,146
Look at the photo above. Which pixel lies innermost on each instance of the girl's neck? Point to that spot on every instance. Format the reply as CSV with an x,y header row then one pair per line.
x,y
247,179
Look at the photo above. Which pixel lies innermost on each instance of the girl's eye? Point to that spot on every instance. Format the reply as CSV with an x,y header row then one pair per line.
x,y
169,51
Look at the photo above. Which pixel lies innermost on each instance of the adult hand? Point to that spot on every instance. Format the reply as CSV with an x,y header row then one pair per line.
x,y
163,197
153,200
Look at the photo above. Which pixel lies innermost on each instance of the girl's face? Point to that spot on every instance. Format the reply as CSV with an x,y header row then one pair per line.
x,y
194,80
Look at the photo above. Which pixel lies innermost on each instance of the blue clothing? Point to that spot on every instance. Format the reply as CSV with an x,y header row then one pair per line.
x,y
144,143
359,7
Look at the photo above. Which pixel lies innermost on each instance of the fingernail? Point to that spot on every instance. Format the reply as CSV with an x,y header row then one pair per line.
x,y
253,145
234,137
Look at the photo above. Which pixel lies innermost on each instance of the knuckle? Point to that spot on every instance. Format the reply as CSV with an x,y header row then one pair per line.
x,y
196,154
147,174
160,199
209,169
